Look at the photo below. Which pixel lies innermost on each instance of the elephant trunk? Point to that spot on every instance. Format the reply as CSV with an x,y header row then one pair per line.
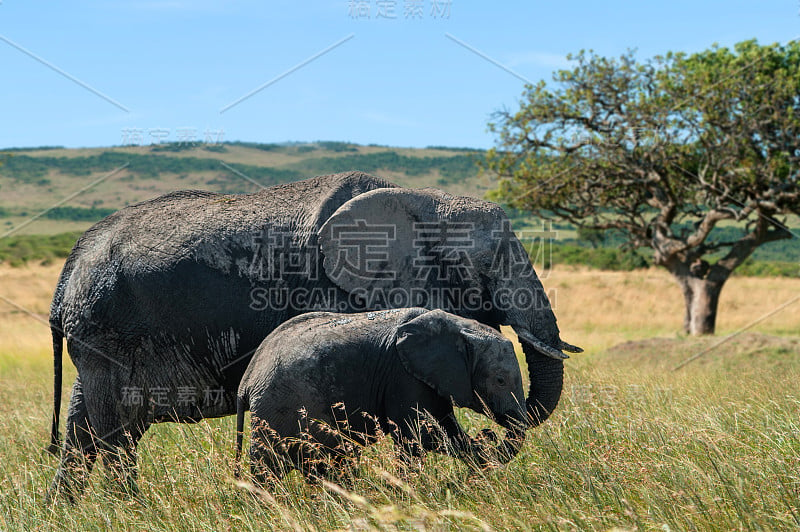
x,y
546,381
528,312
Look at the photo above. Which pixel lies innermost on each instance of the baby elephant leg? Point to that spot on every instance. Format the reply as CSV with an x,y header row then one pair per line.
x,y
330,451
334,466
460,444
268,455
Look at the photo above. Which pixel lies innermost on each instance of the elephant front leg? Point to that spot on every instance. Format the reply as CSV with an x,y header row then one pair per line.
x,y
413,437
120,459
79,452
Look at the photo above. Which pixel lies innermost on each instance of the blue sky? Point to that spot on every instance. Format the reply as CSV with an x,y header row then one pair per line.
x,y
174,65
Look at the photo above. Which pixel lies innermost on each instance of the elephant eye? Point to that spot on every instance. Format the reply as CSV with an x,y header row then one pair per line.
x,y
501,381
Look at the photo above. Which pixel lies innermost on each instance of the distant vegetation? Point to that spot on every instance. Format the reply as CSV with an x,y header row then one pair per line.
x,y
451,149
72,214
35,148
256,145
782,250
27,169
337,146
616,259
606,250
17,250
79,214
599,249
452,168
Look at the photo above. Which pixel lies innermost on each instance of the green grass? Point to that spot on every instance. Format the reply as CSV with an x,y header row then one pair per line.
x,y
633,445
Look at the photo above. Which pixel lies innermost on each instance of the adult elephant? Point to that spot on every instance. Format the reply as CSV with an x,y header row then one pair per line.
x,y
163,303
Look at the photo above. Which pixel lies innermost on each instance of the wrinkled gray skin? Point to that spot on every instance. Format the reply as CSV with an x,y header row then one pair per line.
x,y
382,370
167,295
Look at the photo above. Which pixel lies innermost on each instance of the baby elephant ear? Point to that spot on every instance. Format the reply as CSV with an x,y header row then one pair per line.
x,y
433,350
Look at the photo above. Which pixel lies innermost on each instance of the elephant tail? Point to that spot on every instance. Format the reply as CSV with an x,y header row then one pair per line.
x,y
58,338
241,406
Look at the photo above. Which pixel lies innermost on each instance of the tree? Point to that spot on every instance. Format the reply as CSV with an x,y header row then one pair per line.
x,y
663,151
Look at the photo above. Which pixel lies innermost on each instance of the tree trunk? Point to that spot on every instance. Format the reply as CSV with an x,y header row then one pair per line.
x,y
701,297
700,281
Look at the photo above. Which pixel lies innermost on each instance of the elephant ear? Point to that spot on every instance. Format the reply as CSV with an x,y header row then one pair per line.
x,y
433,350
371,242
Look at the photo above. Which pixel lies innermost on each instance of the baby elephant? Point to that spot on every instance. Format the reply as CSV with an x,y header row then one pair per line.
x,y
363,375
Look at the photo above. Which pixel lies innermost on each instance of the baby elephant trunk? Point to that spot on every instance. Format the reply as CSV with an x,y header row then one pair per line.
x,y
507,449
515,425
511,445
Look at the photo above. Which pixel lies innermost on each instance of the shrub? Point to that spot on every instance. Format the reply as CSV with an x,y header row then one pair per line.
x,y
17,250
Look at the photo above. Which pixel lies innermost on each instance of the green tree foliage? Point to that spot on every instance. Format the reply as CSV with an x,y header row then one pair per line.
x,y
78,214
663,151
18,249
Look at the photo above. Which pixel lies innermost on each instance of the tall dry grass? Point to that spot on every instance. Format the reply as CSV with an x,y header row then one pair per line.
x,y
633,444
600,308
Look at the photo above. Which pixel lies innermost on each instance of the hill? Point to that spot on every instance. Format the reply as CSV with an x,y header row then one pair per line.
x,y
99,181
60,192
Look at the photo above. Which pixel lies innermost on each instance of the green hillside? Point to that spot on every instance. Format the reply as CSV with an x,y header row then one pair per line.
x,y
59,193
34,180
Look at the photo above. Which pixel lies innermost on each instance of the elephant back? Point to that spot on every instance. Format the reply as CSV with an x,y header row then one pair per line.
x,y
128,259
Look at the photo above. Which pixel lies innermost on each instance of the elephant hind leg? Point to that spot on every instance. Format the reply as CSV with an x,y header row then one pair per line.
x,y
79,450
116,438
95,427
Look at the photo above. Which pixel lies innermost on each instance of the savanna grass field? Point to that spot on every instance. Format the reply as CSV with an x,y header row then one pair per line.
x,y
633,445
